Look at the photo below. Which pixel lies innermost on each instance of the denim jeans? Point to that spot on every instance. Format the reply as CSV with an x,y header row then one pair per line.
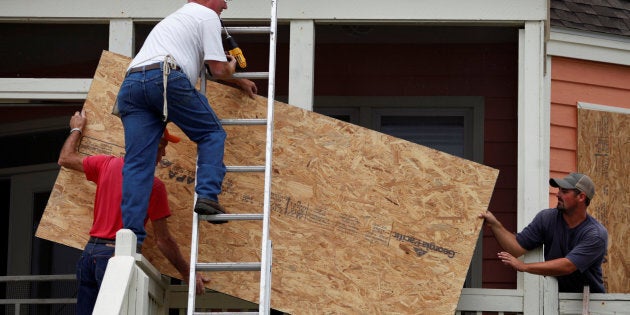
x,y
140,102
90,272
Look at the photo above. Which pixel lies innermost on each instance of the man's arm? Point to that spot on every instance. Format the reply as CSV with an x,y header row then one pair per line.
x,y
222,70
246,85
167,245
506,239
69,157
555,267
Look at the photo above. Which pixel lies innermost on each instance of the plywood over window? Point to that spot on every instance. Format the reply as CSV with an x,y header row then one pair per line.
x,y
603,151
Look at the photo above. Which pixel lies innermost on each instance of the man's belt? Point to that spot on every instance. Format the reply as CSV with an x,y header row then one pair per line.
x,y
98,240
153,66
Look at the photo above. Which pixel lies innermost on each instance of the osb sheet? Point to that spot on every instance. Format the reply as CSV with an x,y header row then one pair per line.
x,y
603,151
362,223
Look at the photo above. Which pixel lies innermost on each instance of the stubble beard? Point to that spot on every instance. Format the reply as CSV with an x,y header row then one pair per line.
x,y
560,206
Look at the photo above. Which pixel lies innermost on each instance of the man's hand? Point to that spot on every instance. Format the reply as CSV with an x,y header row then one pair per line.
x,y
491,220
78,120
506,239
200,285
69,157
511,261
248,86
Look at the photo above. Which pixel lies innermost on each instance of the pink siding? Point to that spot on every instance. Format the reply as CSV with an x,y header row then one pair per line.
x,y
574,81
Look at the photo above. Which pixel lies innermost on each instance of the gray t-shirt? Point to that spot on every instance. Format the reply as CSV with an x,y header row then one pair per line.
x,y
585,246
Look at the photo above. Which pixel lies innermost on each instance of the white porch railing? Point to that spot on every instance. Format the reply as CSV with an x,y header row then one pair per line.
x,y
490,300
478,301
131,284
18,288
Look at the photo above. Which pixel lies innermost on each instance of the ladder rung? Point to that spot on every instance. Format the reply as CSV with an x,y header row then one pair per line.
x,y
243,121
248,29
245,168
230,266
232,217
226,313
246,75
251,75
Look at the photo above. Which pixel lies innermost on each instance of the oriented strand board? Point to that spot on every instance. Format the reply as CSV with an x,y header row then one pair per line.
x,y
362,222
603,151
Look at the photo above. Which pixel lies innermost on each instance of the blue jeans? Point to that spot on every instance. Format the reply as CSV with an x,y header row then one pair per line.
x,y
90,272
140,102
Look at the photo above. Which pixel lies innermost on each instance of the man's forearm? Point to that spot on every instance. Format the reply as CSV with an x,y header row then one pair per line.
x,y
69,157
171,251
507,241
556,267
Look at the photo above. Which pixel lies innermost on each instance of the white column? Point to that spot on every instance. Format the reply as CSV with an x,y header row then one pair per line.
x,y
121,36
533,150
302,63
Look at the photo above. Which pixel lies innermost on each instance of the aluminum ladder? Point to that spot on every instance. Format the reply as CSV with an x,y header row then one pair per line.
x,y
264,266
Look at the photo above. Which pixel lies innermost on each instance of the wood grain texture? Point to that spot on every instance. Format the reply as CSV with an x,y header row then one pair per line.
x,y
362,222
603,150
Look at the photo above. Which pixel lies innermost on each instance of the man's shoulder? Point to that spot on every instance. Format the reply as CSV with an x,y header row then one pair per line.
x,y
198,10
549,213
102,159
596,227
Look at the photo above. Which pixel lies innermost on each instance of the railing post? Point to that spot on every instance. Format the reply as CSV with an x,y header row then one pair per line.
x,y
119,284
126,243
551,303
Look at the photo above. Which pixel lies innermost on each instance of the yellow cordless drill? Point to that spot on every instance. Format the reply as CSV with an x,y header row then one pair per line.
x,y
234,50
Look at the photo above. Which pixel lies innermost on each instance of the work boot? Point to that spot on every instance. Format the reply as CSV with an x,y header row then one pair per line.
x,y
209,207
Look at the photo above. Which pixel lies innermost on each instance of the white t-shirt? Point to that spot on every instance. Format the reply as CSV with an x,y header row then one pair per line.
x,y
191,35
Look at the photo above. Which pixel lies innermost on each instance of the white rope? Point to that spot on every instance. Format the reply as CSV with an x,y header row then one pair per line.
x,y
169,63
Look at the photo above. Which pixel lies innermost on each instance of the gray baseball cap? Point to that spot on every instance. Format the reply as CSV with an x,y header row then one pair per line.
x,y
575,181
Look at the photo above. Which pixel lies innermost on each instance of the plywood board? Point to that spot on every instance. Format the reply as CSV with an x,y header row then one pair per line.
x,y
603,151
362,222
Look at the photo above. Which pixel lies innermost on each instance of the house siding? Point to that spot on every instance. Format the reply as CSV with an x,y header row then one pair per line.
x,y
573,81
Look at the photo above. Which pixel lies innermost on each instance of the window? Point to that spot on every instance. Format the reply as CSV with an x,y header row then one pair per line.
x,y
51,50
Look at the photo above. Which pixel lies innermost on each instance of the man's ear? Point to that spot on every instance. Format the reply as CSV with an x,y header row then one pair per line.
x,y
581,196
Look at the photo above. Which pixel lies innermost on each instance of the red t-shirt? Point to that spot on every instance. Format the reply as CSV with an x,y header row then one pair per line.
x,y
106,172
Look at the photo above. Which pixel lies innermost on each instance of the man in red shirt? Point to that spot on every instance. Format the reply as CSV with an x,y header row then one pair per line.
x,y
106,172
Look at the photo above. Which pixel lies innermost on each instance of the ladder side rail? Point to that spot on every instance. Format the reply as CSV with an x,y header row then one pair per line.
x,y
194,244
265,274
194,237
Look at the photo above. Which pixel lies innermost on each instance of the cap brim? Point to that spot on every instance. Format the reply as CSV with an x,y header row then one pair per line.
x,y
560,183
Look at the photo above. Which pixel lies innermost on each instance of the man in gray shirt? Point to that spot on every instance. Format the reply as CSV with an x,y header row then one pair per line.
x,y
574,243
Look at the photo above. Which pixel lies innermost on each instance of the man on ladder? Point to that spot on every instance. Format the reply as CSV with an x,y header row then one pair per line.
x,y
264,265
160,87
